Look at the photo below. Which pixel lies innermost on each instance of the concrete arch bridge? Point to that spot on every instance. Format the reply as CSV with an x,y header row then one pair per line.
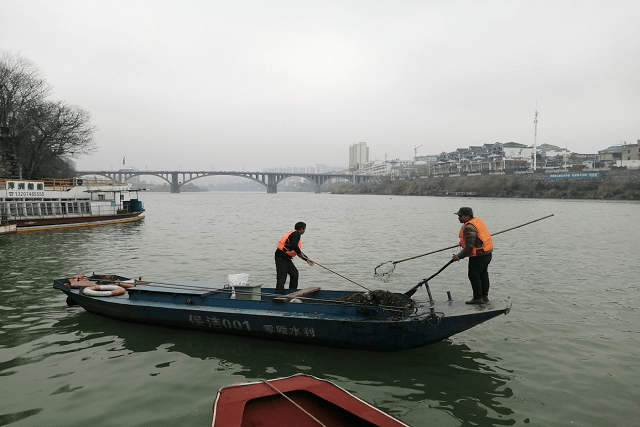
x,y
176,179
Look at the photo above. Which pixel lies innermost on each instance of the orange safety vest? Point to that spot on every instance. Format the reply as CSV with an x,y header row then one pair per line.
x,y
483,235
284,239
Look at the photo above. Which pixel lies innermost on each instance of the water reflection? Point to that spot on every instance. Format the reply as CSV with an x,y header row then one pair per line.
x,y
468,385
11,418
573,313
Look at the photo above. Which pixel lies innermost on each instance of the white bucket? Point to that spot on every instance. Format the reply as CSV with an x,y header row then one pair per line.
x,y
240,280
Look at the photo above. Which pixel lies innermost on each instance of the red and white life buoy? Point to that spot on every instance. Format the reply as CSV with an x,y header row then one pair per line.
x,y
103,290
127,283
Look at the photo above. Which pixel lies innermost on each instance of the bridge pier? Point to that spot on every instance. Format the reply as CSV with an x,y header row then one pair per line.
x,y
319,180
175,185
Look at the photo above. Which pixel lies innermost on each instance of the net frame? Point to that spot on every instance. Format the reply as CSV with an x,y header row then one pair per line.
x,y
384,271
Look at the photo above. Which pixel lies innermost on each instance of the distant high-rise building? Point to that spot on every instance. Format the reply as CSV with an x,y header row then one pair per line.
x,y
358,155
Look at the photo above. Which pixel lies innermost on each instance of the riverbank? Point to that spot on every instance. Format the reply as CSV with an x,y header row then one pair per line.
x,y
617,184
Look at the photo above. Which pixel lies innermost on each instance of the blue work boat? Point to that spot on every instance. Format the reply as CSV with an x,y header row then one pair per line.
x,y
310,316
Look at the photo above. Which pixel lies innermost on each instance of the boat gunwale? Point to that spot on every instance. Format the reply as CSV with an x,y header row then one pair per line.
x,y
306,310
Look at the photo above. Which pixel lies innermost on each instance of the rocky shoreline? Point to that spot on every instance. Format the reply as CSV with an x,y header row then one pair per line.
x,y
614,184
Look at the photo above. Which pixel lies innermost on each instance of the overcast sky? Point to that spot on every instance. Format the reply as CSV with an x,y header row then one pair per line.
x,y
247,85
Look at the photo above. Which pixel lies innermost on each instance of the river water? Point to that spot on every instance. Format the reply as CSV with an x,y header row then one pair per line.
x,y
566,355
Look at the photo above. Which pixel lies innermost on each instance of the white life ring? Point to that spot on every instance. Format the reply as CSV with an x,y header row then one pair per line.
x,y
104,290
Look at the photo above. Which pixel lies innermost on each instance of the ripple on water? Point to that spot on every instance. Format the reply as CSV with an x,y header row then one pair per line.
x,y
570,338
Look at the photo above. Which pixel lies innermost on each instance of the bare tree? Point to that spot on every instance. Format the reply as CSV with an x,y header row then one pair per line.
x,y
21,88
43,135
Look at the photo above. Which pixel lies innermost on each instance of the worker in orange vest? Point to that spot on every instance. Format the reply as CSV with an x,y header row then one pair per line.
x,y
288,247
477,245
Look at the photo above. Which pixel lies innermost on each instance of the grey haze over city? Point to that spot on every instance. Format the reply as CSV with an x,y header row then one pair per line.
x,y
247,85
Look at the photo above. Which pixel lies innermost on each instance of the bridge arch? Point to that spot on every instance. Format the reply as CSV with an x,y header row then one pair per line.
x,y
124,176
317,179
269,179
252,176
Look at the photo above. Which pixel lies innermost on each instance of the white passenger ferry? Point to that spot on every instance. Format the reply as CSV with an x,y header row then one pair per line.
x,y
63,203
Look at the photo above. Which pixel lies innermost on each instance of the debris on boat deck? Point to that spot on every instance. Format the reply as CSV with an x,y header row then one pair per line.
x,y
381,298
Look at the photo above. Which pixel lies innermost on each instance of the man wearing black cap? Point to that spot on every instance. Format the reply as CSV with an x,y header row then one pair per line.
x,y
475,243
288,247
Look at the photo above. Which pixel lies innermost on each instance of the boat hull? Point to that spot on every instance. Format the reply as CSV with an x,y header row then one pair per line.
x,y
54,223
300,400
8,229
321,323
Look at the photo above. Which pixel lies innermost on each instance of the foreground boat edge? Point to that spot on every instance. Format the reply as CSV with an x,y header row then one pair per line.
x,y
232,400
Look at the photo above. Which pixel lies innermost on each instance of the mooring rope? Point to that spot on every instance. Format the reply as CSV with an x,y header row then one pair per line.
x,y
289,399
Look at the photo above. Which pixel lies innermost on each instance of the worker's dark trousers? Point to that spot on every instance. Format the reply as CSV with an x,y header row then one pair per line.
x,y
479,275
284,267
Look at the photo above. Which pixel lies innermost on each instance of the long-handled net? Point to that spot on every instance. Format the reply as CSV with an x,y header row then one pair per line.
x,y
385,270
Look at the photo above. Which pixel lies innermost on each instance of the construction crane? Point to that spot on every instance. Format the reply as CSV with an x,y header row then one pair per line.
x,y
415,150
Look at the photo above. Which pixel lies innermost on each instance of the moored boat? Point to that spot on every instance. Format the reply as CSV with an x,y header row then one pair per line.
x,y
64,203
310,316
300,400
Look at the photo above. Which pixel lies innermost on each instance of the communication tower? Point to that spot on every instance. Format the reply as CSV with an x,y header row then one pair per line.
x,y
535,138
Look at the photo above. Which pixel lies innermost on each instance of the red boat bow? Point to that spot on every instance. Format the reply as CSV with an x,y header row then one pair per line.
x,y
300,400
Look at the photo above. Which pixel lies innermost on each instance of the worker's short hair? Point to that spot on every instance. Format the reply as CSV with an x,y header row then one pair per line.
x,y
300,226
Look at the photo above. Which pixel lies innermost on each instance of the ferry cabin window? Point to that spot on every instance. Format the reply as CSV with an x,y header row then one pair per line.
x,y
72,207
100,196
